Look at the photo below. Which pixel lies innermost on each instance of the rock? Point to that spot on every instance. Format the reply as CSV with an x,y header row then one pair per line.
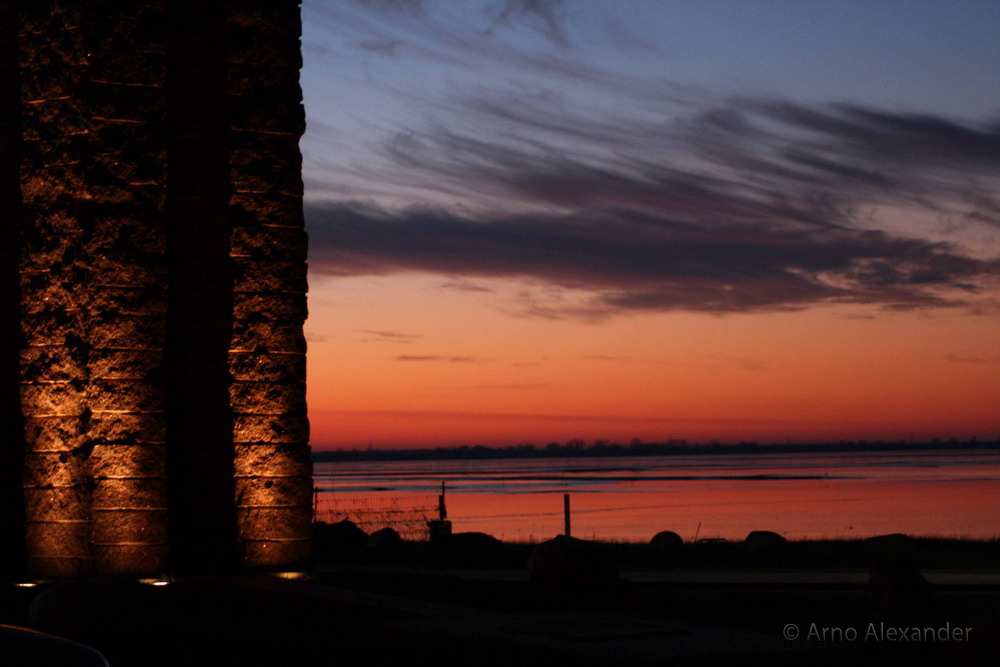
x,y
567,562
667,541
894,545
765,544
470,549
384,541
343,539
666,546
897,587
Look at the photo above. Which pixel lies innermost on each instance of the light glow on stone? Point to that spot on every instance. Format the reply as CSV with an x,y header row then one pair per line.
x,y
156,582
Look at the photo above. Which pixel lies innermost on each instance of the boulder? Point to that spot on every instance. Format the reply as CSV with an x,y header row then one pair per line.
x,y
894,545
667,541
343,539
470,549
384,541
666,546
765,544
568,562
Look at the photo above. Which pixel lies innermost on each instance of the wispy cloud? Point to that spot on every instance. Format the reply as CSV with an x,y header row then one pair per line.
x,y
634,262
615,358
466,286
733,160
438,357
674,199
389,336
545,16
512,387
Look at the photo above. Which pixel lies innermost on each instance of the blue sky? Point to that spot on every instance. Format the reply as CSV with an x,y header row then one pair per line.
x,y
812,125
374,65
584,162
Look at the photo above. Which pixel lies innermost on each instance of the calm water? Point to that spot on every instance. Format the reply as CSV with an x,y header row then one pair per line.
x,y
631,498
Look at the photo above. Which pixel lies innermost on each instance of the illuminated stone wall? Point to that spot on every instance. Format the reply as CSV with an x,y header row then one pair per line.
x,y
267,355
162,286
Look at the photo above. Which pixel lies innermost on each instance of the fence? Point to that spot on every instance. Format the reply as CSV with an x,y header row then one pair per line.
x,y
406,514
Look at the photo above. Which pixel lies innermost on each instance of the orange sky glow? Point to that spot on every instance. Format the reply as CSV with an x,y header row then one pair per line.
x,y
408,361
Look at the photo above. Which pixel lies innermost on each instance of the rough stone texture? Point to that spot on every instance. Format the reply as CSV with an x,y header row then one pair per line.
x,y
55,434
56,202
55,469
140,493
48,504
129,528
267,356
128,428
281,369
65,538
108,364
281,428
152,296
261,236
262,397
52,399
269,307
51,364
278,459
285,523
129,558
278,337
275,554
126,332
260,491
109,461
128,302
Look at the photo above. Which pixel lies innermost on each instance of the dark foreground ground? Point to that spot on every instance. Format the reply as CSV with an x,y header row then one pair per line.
x,y
707,604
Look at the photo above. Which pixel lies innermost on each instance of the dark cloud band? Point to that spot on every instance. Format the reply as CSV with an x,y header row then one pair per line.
x,y
634,262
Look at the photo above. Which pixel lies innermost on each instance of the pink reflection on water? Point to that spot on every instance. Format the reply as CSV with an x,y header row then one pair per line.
x,y
948,494
796,509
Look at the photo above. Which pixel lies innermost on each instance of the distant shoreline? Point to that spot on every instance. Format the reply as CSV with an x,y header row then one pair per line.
x,y
603,449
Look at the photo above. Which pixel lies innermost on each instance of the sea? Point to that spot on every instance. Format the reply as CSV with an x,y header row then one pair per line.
x,y
929,493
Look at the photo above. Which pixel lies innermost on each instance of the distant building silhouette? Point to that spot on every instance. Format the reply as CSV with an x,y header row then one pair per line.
x,y
152,287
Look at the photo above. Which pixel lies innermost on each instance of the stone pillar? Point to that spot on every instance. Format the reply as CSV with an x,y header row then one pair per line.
x,y
153,163
267,356
126,315
55,278
93,286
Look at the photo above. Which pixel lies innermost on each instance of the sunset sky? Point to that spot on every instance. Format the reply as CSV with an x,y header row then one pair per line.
x,y
533,220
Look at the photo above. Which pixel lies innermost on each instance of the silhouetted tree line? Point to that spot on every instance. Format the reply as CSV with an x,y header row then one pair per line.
x,y
604,448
